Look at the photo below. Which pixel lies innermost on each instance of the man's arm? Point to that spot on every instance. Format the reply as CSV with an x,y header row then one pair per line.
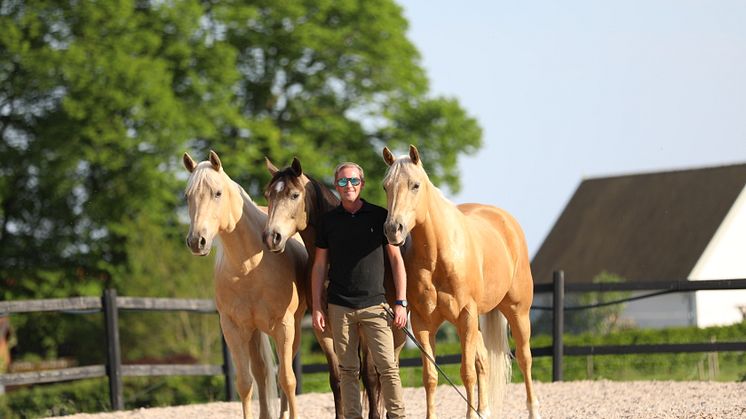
x,y
400,283
318,273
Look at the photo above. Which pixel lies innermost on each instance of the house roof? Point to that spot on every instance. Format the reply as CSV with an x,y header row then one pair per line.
x,y
652,226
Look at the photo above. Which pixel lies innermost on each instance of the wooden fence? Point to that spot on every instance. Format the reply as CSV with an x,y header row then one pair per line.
x,y
110,304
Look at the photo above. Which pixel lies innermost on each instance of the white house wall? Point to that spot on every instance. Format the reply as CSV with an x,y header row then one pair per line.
x,y
724,258
669,310
662,311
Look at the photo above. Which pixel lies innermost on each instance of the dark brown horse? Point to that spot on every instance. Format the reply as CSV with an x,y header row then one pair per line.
x,y
295,205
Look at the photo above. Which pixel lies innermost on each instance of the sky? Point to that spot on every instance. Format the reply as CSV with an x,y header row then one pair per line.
x,y
571,90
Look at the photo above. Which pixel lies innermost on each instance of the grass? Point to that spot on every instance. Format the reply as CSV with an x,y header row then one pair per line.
x,y
722,366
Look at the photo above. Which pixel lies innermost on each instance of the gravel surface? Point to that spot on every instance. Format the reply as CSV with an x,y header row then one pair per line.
x,y
578,399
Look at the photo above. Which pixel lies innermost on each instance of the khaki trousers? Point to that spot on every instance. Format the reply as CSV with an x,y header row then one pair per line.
x,y
346,324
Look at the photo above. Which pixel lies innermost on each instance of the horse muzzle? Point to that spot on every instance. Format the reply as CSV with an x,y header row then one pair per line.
x,y
395,232
274,241
198,244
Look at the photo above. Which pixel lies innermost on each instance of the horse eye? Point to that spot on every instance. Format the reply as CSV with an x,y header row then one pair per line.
x,y
416,186
218,194
295,195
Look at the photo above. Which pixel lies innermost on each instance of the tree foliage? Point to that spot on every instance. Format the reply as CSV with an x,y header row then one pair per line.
x,y
98,99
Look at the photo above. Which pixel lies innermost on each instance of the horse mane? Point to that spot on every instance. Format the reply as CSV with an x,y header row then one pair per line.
x,y
327,196
201,177
204,175
405,164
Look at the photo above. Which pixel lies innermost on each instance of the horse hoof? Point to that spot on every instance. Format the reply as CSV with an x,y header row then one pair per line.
x,y
533,410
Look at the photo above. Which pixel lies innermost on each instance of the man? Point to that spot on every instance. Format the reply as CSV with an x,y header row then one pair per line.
x,y
351,242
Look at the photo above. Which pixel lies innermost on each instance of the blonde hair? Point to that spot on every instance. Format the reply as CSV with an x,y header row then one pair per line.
x,y
348,164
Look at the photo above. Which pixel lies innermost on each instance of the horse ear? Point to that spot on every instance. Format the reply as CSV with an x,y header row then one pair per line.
x,y
189,162
297,169
414,154
270,167
215,160
387,156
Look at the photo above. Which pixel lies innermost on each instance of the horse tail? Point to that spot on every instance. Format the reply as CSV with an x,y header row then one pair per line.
x,y
267,356
495,334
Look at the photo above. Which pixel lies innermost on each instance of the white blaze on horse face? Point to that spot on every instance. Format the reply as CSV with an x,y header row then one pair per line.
x,y
287,214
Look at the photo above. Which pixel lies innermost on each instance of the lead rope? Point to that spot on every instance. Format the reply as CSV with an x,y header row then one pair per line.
x,y
427,355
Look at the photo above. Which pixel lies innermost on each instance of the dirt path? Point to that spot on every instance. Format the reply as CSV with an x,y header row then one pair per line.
x,y
578,399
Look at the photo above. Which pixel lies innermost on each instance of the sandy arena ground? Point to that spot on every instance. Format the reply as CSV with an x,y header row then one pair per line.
x,y
578,399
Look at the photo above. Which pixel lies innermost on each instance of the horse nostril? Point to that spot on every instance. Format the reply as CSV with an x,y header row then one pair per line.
x,y
276,237
399,228
202,242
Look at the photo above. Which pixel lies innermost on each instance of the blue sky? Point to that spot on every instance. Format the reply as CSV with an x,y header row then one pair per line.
x,y
569,90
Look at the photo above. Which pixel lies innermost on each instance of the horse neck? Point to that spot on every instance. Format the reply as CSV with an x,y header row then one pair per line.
x,y
243,241
319,204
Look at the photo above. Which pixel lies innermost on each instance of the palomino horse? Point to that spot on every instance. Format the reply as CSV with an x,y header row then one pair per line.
x,y
255,291
296,202
465,261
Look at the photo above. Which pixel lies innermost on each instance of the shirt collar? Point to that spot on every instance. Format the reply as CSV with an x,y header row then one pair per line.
x,y
364,208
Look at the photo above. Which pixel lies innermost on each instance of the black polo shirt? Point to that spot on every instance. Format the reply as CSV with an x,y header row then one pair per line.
x,y
356,255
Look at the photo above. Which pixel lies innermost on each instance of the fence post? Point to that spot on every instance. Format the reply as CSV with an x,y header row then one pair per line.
x,y
229,371
114,352
558,324
298,371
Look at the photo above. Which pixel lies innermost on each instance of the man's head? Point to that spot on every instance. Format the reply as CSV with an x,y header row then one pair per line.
x,y
349,180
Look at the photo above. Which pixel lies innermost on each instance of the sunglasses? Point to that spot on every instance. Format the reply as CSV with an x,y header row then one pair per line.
x,y
343,181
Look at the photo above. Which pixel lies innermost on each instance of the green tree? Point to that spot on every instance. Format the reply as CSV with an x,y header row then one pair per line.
x,y
330,81
98,99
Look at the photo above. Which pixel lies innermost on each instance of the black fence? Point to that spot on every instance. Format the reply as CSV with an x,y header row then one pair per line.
x,y
110,304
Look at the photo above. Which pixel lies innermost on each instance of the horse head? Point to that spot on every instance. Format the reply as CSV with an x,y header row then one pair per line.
x,y
213,203
288,209
405,184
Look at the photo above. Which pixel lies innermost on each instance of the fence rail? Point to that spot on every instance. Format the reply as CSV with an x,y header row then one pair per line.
x,y
110,304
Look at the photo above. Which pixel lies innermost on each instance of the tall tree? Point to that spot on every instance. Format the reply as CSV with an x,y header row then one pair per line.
x,y
98,99
330,81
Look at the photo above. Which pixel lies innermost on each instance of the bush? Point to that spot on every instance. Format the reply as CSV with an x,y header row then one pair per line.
x,y
86,396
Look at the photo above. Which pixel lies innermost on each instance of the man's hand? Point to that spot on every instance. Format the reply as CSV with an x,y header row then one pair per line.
x,y
319,320
400,316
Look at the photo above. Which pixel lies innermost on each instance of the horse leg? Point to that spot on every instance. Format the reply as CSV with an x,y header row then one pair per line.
x,y
284,404
482,368
327,346
286,346
520,325
400,339
262,368
425,334
468,329
240,355
371,380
